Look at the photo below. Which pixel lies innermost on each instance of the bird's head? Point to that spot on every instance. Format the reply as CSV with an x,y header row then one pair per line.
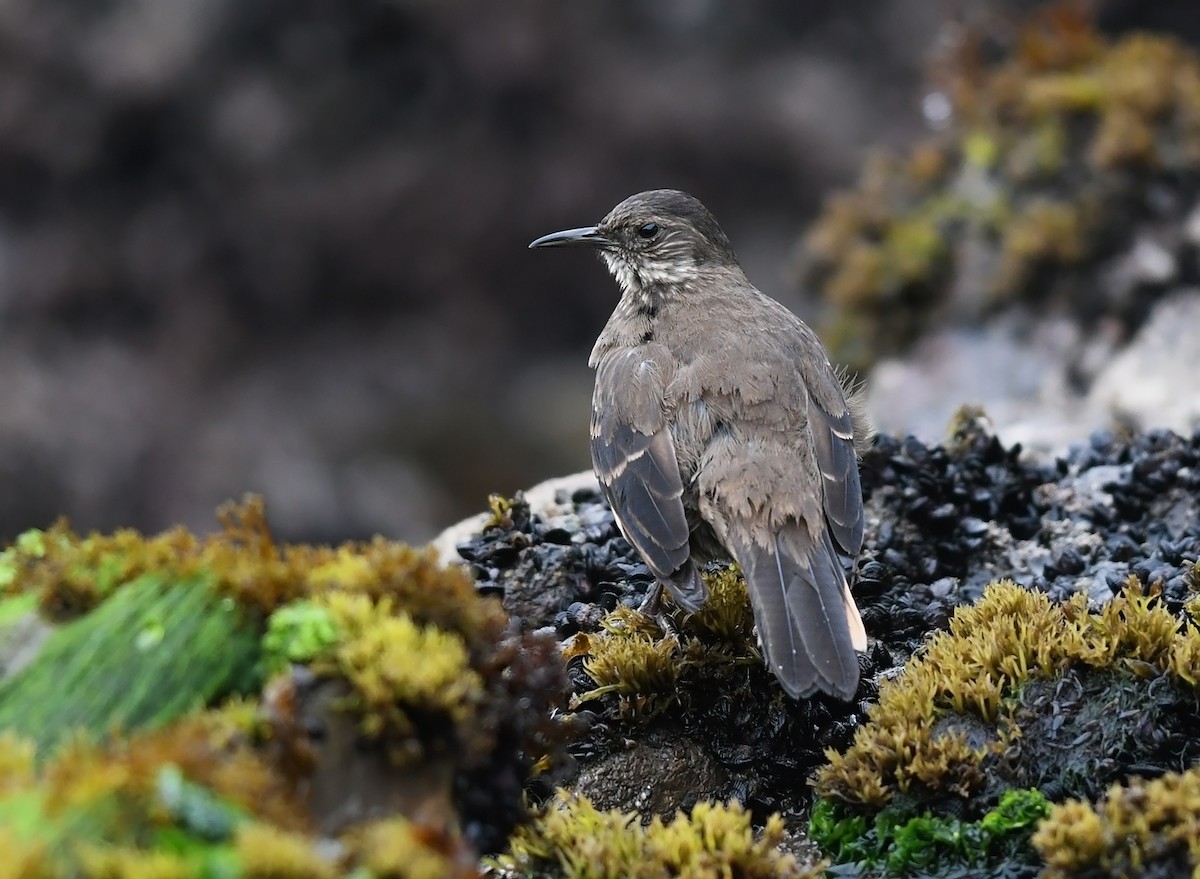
x,y
658,238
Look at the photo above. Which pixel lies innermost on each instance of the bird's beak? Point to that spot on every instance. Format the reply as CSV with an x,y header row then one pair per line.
x,y
588,236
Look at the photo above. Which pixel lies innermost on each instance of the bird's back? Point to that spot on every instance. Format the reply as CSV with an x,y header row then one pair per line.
x,y
765,440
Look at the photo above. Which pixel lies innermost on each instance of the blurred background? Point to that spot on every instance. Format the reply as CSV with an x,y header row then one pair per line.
x,y
280,245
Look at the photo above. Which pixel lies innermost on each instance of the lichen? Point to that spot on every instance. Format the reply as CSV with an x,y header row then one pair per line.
x,y
573,840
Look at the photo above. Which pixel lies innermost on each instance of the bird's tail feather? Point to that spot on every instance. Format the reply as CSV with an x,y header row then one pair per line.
x,y
807,620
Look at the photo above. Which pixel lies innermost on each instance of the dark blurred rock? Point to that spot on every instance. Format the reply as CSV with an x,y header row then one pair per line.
x,y
280,246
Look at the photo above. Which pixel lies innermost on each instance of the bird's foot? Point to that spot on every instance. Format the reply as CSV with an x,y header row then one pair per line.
x,y
652,606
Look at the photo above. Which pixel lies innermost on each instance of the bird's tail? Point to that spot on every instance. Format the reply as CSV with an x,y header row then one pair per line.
x,y
806,617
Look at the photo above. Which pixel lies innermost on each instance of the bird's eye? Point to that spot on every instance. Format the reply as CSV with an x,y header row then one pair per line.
x,y
649,230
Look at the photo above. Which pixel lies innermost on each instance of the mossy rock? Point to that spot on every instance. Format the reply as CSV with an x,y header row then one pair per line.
x,y
1018,694
709,719
367,676
572,839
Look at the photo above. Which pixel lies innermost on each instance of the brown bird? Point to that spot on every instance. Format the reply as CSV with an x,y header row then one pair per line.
x,y
720,430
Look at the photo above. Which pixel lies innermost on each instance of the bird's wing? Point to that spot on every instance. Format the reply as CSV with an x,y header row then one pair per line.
x,y
832,427
633,453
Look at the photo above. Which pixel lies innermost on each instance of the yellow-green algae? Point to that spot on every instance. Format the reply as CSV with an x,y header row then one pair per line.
x,y
574,840
1010,637
1046,154
649,669
1139,828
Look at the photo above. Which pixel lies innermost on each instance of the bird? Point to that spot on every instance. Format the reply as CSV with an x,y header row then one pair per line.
x,y
721,431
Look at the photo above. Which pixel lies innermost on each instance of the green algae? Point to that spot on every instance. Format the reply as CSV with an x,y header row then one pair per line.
x,y
155,650
902,843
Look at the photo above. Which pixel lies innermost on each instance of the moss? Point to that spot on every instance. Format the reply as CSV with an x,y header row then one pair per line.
x,y
1192,606
157,626
900,842
72,574
500,509
1140,828
726,616
634,659
912,248
15,608
161,803
1044,231
411,686
193,801
118,862
368,610
935,727
1038,178
573,839
1019,693
23,859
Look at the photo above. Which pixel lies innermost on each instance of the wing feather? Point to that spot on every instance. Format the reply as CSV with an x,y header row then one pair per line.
x,y
837,459
633,453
